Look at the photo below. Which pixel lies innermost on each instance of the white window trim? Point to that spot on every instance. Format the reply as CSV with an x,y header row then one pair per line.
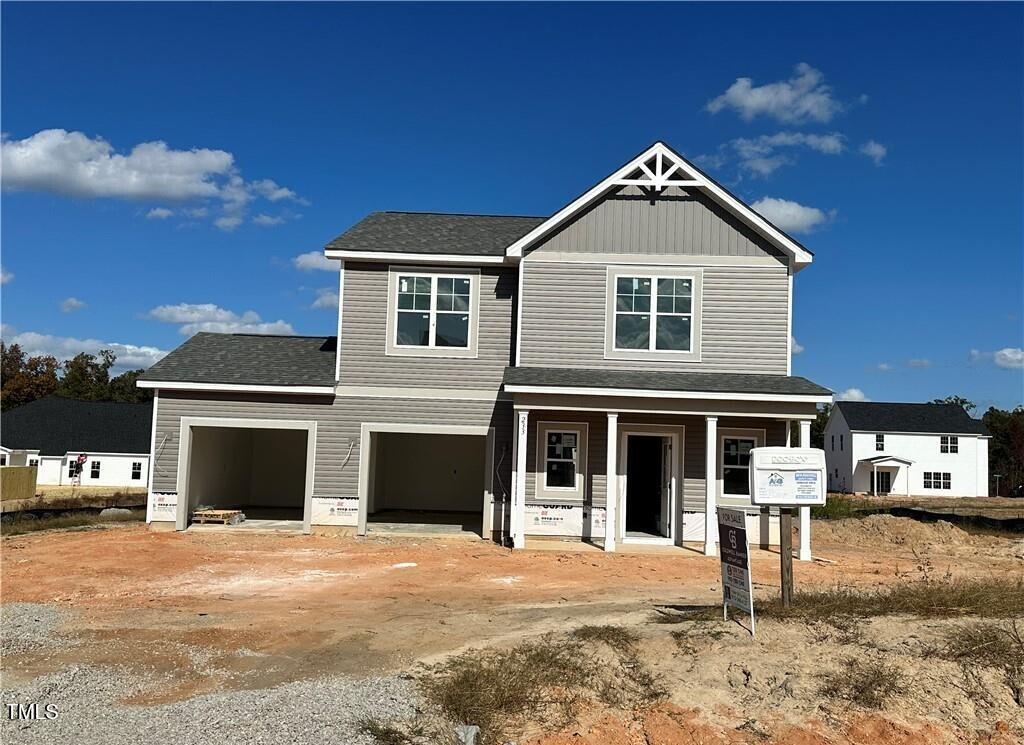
x,y
949,442
393,349
724,433
95,465
696,277
133,476
541,489
879,442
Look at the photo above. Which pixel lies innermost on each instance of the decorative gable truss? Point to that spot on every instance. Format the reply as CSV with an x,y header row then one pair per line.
x,y
656,169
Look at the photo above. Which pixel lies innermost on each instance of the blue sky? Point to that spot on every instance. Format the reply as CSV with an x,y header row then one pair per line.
x,y
889,136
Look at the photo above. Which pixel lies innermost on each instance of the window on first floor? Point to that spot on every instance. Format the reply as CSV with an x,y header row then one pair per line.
x,y
937,480
949,444
33,461
833,443
72,468
879,443
94,469
3,460
561,459
136,470
736,465
840,442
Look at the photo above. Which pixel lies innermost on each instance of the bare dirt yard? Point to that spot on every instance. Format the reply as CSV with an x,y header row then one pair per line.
x,y
196,637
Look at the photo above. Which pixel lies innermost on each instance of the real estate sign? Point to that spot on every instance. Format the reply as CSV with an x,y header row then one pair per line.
x,y
737,587
787,477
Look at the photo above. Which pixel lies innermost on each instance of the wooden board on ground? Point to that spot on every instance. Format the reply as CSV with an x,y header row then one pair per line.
x,y
224,517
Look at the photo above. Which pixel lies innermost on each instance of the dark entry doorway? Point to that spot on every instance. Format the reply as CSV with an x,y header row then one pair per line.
x,y
645,483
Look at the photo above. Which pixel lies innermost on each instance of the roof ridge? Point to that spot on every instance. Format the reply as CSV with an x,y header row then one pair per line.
x,y
457,214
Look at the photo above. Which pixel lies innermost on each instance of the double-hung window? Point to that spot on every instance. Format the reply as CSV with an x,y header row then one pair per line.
x,y
736,465
937,480
949,444
879,443
432,314
94,469
136,470
654,313
561,460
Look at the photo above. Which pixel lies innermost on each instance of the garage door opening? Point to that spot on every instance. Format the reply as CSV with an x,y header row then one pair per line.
x,y
426,483
259,471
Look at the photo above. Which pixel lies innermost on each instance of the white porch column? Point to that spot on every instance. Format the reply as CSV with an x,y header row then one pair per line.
x,y
611,520
805,512
711,486
519,479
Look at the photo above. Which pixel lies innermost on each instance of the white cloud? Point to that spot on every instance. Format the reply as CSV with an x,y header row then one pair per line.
x,y
797,346
76,165
919,362
765,166
874,150
765,154
326,298
852,394
884,367
129,356
197,212
71,304
315,260
267,221
5,276
792,216
804,97
1010,357
159,213
196,317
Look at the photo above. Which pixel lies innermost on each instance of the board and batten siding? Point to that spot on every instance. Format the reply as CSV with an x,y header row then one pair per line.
x,y
364,333
744,318
338,429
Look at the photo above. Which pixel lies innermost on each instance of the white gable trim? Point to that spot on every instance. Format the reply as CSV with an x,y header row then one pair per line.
x,y
669,163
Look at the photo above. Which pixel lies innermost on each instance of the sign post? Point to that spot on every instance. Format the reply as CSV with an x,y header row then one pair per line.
x,y
787,478
737,587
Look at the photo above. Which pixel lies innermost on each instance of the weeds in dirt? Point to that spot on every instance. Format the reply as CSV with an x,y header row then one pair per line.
x,y
690,637
837,508
23,523
618,638
865,683
928,598
384,734
991,645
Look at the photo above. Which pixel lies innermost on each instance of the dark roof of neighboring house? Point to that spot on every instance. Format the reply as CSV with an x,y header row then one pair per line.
x,y
56,425
435,233
872,416
249,359
664,381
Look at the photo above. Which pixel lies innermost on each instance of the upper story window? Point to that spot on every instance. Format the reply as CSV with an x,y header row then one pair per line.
x,y
950,444
833,443
432,313
840,442
879,443
653,313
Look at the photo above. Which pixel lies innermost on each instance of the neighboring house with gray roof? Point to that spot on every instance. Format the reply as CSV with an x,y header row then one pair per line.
x,y
873,447
599,373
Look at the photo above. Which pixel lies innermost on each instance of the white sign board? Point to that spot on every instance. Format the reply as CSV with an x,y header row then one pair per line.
x,y
737,587
787,477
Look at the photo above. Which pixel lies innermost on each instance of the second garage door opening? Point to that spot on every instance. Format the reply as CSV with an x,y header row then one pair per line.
x,y
426,483
261,472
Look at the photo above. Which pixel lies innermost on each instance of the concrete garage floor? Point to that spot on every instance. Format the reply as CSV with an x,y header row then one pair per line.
x,y
258,519
422,522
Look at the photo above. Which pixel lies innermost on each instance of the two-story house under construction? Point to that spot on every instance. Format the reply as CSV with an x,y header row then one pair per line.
x,y
601,373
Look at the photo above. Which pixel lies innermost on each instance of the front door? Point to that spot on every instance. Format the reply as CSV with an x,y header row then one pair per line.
x,y
648,485
884,482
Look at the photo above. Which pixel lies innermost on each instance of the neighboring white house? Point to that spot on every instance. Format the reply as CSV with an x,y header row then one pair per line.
x,y
51,433
912,449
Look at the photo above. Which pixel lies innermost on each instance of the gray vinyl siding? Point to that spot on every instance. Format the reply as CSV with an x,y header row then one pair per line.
x,y
688,224
364,334
694,450
338,427
744,318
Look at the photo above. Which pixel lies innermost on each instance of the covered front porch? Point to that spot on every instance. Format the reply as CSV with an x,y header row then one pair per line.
x,y
884,474
647,466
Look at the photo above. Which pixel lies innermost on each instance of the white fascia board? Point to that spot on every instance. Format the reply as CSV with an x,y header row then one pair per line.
x,y
415,258
923,434
801,257
236,388
647,393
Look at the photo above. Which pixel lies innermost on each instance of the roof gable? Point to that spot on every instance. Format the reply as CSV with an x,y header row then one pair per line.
x,y
656,169
946,419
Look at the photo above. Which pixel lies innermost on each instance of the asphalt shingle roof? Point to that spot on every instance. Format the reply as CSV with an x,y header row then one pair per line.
x,y
663,381
249,359
55,426
434,233
876,416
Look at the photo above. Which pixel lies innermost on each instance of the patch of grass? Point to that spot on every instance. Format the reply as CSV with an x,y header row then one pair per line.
x,y
690,636
994,645
618,638
864,683
946,598
384,734
837,508
22,523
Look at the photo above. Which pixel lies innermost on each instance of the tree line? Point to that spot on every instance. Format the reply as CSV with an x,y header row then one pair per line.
x,y
85,377
1005,449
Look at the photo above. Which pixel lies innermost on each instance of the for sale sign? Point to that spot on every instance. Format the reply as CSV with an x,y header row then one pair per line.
x,y
737,587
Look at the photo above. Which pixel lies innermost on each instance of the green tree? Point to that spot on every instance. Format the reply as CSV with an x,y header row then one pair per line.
x,y
122,388
1006,448
818,426
25,379
966,403
86,378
